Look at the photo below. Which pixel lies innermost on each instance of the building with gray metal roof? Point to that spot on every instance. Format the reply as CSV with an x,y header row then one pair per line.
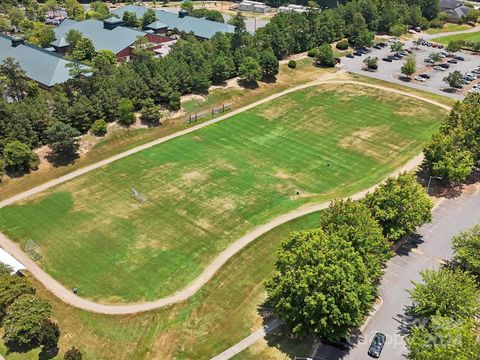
x,y
45,67
200,27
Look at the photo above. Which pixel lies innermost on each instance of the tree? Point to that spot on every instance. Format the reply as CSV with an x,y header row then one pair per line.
x,y
62,140
126,117
400,205
74,10
72,37
150,113
187,5
104,62
445,157
130,19
269,64
466,249
352,221
398,29
409,66
12,287
325,56
148,17
397,46
49,334
24,318
250,70
83,50
19,157
321,285
447,293
371,62
445,339
435,57
99,127
417,42
430,8
73,354
16,85
222,68
454,79
454,46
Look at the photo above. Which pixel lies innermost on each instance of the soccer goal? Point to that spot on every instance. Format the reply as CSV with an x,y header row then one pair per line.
x,y
33,250
141,198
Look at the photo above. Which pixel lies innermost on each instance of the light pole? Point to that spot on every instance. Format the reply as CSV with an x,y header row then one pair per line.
x,y
430,180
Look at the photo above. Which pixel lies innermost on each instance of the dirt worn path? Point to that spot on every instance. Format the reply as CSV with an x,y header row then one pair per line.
x,y
68,297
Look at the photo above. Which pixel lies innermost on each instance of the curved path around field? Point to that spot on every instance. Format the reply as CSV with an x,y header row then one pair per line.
x,y
68,297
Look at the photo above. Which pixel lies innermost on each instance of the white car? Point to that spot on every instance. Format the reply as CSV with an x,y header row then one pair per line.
x,y
439,68
419,78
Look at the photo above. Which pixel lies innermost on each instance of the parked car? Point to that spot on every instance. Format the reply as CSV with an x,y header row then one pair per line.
x,y
350,55
376,46
459,58
404,53
358,53
425,76
376,346
429,44
419,78
429,61
440,46
387,59
439,68
452,61
445,66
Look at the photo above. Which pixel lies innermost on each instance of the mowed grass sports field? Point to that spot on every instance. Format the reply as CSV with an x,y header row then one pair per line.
x,y
473,36
208,188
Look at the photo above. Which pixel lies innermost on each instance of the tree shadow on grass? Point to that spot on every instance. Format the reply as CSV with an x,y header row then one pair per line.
x,y
13,347
250,85
61,159
46,354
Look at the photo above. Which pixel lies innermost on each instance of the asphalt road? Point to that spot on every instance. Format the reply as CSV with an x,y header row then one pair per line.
x,y
432,243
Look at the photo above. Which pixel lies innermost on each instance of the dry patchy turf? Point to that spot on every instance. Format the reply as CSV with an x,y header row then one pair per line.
x,y
210,187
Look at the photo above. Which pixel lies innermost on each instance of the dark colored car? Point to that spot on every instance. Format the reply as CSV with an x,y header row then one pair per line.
x,y
376,46
452,61
460,58
387,59
382,44
351,56
425,76
358,53
445,66
376,346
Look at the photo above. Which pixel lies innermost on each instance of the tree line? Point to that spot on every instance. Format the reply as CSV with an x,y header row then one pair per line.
x,y
327,278
446,306
26,318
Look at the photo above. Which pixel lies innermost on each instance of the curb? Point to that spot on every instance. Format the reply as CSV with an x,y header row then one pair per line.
x,y
376,307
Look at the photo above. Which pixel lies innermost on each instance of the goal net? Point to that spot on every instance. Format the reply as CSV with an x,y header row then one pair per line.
x,y
141,198
33,250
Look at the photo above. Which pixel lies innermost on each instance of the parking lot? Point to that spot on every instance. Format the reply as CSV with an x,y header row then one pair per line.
x,y
390,71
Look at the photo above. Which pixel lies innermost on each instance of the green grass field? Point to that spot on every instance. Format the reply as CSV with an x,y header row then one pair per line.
x,y
449,27
208,188
473,36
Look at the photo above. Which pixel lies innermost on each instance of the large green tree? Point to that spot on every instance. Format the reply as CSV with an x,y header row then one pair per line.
x,y
466,248
23,320
400,205
321,285
325,56
443,339
446,292
62,139
11,287
19,157
250,70
353,222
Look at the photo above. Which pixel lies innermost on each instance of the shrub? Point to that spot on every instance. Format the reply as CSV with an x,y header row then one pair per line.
x,y
126,117
325,56
292,64
18,156
313,53
2,169
342,45
73,354
99,128
398,29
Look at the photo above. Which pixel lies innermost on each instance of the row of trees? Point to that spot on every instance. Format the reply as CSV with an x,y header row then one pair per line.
x,y
446,306
454,150
25,317
326,278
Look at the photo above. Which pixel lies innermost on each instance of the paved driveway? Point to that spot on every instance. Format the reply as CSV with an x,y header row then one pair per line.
x,y
433,243
391,71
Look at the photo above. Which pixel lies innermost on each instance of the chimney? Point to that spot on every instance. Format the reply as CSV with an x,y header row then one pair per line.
x,y
182,13
17,40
